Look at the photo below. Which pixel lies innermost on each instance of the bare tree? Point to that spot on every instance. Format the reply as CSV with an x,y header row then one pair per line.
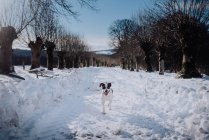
x,y
122,38
14,19
44,25
7,35
161,43
50,46
144,37
187,22
37,45
36,48
74,48
61,47
64,7
22,13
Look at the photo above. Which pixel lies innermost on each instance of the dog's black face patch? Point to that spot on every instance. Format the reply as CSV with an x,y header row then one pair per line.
x,y
109,85
102,85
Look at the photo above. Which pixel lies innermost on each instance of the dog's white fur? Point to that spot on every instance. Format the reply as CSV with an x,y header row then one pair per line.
x,y
107,95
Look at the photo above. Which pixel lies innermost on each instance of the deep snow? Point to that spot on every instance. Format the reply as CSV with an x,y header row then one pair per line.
x,y
67,105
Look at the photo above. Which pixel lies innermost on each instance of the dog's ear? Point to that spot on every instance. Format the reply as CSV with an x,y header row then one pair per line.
x,y
109,85
102,85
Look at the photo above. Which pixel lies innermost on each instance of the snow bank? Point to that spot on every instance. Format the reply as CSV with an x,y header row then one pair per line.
x,y
9,107
67,105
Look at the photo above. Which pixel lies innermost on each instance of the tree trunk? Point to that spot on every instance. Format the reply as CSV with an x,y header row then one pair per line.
x,y
71,64
35,52
128,62
67,62
85,62
132,64
148,63
88,62
76,61
61,55
123,63
50,57
94,62
7,36
161,67
147,48
23,65
161,60
137,63
188,65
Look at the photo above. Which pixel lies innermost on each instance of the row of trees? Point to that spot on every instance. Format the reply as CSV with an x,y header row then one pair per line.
x,y
37,24
84,59
174,32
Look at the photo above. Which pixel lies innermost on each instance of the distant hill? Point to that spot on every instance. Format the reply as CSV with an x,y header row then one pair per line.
x,y
20,52
25,53
20,56
105,52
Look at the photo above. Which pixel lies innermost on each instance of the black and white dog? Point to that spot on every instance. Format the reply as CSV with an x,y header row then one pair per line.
x,y
107,94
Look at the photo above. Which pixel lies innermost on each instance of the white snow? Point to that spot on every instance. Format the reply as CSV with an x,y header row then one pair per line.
x,y
67,105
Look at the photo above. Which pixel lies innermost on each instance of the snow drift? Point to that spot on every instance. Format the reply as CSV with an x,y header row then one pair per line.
x,y
67,105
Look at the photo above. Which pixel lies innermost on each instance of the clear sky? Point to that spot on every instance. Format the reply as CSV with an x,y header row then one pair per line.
x,y
94,25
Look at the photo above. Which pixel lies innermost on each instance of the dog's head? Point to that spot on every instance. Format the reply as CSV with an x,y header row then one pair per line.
x,y
105,86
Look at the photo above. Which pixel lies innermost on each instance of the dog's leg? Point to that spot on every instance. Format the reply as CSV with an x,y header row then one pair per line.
x,y
103,105
110,102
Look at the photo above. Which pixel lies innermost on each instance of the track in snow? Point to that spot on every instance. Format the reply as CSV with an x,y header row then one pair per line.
x,y
145,106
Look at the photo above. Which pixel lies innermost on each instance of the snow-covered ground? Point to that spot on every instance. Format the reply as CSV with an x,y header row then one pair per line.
x,y
67,105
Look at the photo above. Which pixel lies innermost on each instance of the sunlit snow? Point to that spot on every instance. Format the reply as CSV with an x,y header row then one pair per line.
x,y
67,105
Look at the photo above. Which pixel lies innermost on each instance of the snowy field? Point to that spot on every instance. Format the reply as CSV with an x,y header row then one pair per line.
x,y
67,105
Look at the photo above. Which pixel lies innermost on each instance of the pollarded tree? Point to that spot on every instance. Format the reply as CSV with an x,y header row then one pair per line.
x,y
70,48
45,26
121,33
7,35
36,48
14,19
145,41
50,46
161,41
50,37
187,22
44,23
74,48
35,32
61,47
192,35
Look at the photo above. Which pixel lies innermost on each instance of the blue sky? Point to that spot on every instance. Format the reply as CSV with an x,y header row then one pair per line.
x,y
93,25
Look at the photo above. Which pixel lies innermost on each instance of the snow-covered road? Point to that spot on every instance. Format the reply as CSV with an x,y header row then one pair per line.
x,y
68,106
